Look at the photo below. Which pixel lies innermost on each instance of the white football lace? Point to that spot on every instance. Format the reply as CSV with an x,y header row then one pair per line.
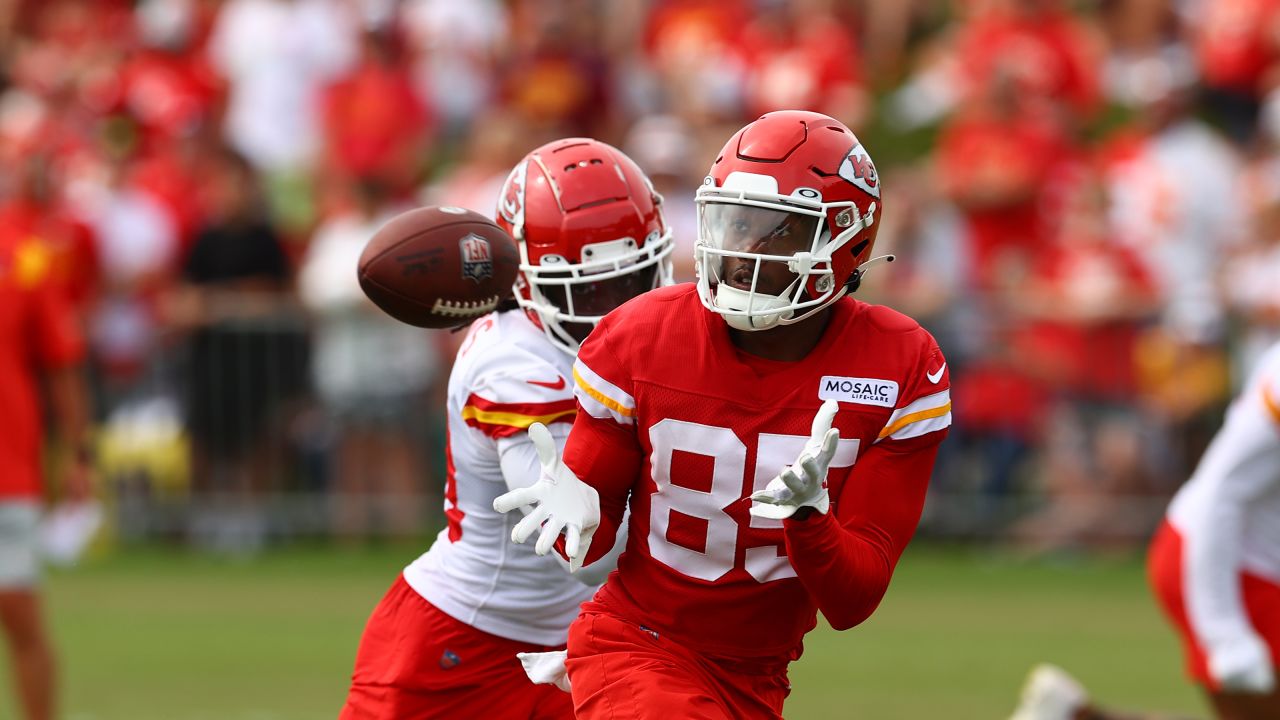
x,y
471,308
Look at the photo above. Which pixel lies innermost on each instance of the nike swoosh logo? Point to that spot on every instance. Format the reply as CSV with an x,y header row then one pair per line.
x,y
934,377
558,384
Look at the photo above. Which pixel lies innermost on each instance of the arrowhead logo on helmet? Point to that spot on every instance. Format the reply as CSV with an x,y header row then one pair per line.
x,y
511,207
858,169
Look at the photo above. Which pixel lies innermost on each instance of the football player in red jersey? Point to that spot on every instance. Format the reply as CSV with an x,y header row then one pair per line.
x,y
444,640
692,398
40,339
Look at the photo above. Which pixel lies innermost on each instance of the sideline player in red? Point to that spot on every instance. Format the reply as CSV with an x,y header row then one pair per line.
x,y
39,339
443,642
1215,568
693,397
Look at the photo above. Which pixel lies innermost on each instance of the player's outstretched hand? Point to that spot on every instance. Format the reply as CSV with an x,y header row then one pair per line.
x,y
560,503
1242,665
804,483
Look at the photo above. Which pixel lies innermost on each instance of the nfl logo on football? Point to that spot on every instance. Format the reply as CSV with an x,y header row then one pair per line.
x,y
477,261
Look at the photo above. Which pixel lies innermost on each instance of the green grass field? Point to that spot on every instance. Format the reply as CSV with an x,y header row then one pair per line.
x,y
173,636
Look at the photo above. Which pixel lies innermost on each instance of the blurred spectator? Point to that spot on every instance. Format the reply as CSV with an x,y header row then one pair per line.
x,y
557,73
372,374
276,55
167,85
1083,304
35,209
664,147
1144,52
475,181
375,126
928,279
1175,190
243,362
456,47
690,46
798,55
137,247
39,340
995,159
1047,57
1236,42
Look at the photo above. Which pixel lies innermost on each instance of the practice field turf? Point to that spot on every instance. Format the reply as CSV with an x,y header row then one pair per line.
x,y
172,636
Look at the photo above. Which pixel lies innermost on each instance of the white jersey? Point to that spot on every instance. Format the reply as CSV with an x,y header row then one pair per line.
x,y
507,376
1228,513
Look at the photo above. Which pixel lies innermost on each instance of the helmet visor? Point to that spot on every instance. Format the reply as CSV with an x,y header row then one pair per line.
x,y
752,247
757,230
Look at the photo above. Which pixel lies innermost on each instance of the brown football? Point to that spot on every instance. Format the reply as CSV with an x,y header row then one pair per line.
x,y
438,267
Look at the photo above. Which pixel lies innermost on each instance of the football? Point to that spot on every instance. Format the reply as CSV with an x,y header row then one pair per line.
x,y
438,267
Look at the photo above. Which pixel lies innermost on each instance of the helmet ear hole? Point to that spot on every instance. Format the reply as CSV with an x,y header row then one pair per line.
x,y
855,277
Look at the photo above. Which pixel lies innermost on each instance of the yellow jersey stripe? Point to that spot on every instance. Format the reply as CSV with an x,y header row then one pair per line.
x,y
906,420
509,419
601,398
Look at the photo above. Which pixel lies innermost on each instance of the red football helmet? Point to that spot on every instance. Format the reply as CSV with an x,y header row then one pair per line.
x,y
795,188
590,231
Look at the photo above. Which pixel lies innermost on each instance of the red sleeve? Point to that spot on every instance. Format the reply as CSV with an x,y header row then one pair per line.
x,y
607,457
603,448
846,557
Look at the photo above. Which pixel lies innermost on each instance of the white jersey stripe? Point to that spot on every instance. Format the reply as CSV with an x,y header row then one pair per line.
x,y
600,397
924,415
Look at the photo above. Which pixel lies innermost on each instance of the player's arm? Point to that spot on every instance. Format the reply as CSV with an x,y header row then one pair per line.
x,y
585,490
846,558
520,468
607,457
1239,466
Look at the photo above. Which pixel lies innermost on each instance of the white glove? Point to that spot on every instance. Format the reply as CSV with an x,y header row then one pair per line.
x,y
561,502
804,483
1242,664
546,668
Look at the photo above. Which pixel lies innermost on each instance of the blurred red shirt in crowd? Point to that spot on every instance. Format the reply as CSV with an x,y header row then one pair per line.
x,y
798,56
173,171
375,124
995,160
1084,300
169,93
38,329
73,263
1050,56
676,22
1236,41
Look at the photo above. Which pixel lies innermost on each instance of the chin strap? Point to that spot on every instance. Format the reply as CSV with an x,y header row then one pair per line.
x,y
856,278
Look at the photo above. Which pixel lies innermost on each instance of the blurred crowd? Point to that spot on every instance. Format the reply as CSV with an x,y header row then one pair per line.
x,y
1083,197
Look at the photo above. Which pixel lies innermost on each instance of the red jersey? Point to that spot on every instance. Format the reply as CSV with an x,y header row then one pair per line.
x,y
37,329
673,415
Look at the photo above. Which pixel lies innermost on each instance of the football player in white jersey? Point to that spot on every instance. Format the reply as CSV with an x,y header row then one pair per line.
x,y
1214,566
443,641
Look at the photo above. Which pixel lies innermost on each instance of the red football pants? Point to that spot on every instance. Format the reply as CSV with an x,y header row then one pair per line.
x,y
417,663
1261,599
620,671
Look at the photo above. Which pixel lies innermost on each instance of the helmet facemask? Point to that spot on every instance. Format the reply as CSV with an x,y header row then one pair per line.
x,y
570,298
765,260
